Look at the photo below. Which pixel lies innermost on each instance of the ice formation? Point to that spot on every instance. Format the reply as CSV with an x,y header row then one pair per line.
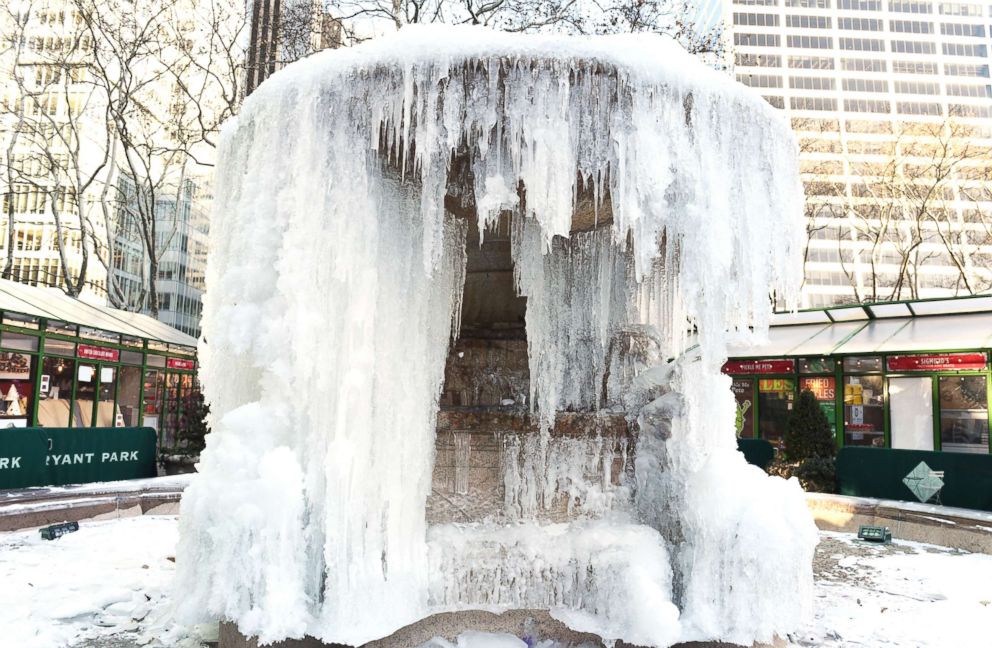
x,y
335,287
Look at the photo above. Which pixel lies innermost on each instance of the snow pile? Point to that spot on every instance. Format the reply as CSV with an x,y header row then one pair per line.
x,y
335,282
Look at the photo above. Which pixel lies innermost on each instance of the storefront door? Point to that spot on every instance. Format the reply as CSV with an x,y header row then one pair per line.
x,y
911,412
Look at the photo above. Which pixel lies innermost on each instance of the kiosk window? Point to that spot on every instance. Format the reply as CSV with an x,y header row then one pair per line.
x,y
864,411
743,389
775,400
16,388
964,414
55,392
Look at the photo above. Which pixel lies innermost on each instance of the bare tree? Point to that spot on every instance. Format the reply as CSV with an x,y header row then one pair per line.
x,y
674,18
921,201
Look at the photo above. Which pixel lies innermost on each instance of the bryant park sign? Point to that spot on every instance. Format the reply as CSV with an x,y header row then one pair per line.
x,y
57,456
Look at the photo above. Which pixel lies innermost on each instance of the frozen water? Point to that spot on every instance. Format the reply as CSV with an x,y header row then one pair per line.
x,y
335,285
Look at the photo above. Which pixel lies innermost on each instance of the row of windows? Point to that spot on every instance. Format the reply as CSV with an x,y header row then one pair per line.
x,y
866,85
867,106
911,26
860,44
758,19
811,83
811,62
863,65
808,22
946,8
860,24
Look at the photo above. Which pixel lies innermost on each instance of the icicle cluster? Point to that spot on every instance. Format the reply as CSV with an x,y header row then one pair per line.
x,y
334,288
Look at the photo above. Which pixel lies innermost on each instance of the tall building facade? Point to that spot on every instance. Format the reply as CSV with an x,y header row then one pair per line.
x,y
44,126
892,105
181,233
57,140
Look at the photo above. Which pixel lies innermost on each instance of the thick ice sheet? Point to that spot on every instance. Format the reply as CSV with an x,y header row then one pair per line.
x,y
334,286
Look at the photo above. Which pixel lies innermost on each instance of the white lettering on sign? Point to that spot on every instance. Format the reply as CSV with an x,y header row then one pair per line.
x,y
9,463
111,457
87,458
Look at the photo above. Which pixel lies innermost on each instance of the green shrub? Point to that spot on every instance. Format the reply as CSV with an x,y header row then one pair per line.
x,y
808,432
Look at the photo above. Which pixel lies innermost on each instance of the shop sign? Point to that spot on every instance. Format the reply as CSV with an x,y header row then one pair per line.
x,y
777,385
822,388
91,352
57,456
759,367
179,363
938,362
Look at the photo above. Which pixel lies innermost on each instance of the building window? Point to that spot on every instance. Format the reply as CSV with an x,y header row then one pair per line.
x,y
867,106
811,83
963,90
964,110
777,102
912,47
960,9
759,3
863,65
864,410
16,388
962,29
860,24
811,62
962,49
917,87
918,108
911,26
760,80
812,103
810,42
758,60
757,40
910,6
860,5
964,414
775,401
966,70
914,67
866,85
863,44
808,22
808,4
756,19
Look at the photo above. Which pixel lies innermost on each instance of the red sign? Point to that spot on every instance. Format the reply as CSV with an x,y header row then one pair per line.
x,y
179,363
823,388
759,367
938,362
97,353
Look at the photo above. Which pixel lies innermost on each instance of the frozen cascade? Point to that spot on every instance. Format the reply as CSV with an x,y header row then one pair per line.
x,y
651,197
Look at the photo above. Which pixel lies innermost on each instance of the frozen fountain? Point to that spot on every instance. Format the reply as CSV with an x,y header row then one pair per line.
x,y
469,295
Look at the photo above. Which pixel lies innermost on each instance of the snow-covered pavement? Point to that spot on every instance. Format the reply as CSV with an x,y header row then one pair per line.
x,y
108,585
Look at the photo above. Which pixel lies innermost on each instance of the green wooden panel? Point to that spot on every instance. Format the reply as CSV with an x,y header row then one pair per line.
x,y
57,456
757,451
912,476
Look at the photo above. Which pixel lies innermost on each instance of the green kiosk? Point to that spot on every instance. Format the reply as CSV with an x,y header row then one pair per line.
x,y
87,393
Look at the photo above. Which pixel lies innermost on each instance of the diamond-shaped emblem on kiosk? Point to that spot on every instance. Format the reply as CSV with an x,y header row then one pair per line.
x,y
924,482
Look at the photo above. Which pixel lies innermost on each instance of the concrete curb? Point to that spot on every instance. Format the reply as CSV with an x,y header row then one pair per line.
x,y
947,526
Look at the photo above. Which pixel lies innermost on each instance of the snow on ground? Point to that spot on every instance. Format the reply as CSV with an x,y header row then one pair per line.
x,y
903,594
109,579
107,586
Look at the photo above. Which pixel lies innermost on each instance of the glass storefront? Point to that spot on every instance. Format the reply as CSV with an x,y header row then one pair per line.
x,y
921,401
